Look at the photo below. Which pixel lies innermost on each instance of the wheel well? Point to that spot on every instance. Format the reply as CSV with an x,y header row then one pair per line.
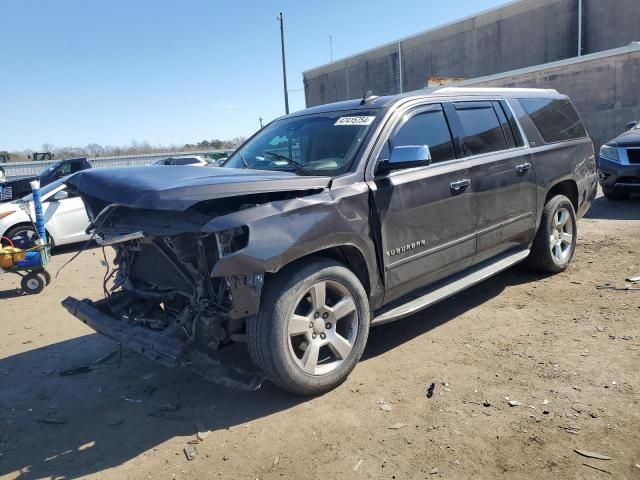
x,y
348,255
568,188
23,224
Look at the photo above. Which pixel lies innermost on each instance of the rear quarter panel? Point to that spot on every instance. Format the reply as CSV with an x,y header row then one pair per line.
x,y
556,162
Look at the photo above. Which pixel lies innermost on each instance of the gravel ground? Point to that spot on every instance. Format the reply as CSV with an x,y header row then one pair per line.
x,y
566,350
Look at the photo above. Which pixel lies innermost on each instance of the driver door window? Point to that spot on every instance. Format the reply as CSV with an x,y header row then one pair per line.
x,y
427,128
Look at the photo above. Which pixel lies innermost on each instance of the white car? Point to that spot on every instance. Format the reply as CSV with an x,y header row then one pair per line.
x,y
65,217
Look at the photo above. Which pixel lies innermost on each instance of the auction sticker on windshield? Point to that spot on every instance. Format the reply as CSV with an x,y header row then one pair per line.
x,y
354,120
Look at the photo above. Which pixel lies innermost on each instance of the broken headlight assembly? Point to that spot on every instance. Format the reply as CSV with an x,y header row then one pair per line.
x,y
232,240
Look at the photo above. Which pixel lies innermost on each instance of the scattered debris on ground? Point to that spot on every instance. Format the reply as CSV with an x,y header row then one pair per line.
x,y
397,426
190,452
430,390
588,454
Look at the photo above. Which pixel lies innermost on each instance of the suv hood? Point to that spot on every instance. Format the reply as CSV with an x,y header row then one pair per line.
x,y
630,137
180,187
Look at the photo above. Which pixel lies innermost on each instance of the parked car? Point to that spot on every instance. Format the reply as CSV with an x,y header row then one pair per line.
x,y
619,164
64,212
196,160
334,219
16,188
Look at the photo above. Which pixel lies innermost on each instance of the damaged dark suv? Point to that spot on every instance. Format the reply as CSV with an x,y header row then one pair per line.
x,y
331,220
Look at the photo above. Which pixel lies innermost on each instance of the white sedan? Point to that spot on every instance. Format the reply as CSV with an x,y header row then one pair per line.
x,y
65,217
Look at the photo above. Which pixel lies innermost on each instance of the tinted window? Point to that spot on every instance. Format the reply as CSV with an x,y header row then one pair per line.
x,y
515,130
76,167
185,161
556,120
428,128
481,127
504,123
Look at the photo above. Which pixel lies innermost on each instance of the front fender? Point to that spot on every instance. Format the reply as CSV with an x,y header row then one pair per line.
x,y
283,231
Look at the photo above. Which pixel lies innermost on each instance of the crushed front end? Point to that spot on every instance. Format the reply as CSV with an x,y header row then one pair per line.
x,y
160,298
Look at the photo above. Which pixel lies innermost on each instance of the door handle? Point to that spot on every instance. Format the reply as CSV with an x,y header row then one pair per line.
x,y
460,185
523,168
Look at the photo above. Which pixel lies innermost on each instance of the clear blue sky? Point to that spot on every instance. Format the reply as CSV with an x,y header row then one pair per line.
x,y
74,72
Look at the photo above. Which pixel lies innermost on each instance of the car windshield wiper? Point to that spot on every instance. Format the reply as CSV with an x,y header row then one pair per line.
x,y
297,166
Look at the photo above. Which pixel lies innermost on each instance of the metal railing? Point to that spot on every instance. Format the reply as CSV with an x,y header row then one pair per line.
x,y
24,169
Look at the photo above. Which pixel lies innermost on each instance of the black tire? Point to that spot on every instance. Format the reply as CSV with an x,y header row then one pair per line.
x,y
32,283
33,235
270,341
46,276
541,257
615,196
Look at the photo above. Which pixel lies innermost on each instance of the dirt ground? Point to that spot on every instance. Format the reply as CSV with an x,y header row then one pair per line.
x,y
567,350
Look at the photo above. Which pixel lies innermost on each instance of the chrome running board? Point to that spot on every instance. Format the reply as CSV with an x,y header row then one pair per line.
x,y
445,288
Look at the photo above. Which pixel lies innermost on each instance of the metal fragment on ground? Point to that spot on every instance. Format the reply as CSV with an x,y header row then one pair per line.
x,y
397,426
190,452
586,453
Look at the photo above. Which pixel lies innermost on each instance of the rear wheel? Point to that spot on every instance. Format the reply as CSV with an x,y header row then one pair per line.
x,y
312,327
615,196
555,242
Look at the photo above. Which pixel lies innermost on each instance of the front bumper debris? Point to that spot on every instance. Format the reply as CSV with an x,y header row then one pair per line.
x,y
163,349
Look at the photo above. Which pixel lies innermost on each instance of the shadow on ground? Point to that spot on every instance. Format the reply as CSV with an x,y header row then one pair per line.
x,y
73,426
602,208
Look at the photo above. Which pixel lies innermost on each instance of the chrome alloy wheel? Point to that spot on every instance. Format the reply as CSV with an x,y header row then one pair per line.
x,y
323,328
561,238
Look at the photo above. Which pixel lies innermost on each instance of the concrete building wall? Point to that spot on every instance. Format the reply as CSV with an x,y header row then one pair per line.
x,y
604,88
517,35
610,24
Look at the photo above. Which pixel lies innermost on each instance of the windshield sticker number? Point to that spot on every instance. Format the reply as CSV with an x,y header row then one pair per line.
x,y
354,121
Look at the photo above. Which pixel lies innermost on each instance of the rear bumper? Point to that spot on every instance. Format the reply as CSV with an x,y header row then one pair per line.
x,y
618,176
161,348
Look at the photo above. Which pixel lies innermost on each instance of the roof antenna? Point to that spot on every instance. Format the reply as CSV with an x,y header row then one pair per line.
x,y
368,97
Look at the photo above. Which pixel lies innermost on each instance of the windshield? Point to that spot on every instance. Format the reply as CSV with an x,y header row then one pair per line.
x,y
320,144
44,191
637,126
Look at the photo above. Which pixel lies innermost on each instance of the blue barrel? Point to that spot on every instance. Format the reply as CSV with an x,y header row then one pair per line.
x,y
37,204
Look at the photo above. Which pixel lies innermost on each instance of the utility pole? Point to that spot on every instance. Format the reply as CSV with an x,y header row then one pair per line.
x,y
260,122
284,66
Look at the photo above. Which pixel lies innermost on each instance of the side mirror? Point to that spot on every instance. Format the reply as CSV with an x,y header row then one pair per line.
x,y
630,125
61,195
406,156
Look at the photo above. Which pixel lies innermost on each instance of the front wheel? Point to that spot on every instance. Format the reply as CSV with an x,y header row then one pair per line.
x,y
555,242
312,327
32,283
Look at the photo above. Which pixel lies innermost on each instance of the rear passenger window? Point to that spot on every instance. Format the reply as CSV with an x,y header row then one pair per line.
x,y
482,130
555,119
428,128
